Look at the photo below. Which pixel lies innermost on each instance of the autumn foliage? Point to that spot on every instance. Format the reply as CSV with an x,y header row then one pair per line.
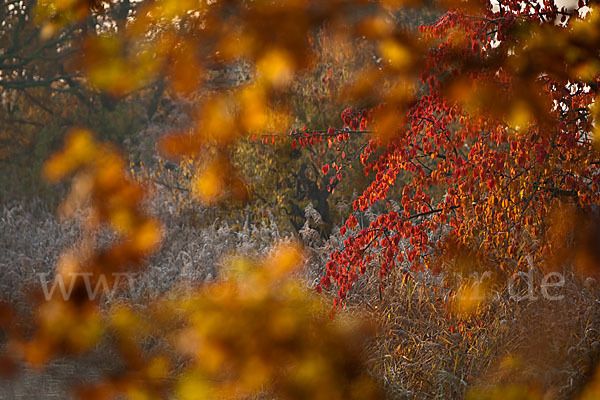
x,y
481,149
505,129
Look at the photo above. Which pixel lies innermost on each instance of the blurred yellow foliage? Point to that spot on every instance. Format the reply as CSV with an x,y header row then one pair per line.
x,y
396,53
263,331
79,148
256,330
276,67
470,297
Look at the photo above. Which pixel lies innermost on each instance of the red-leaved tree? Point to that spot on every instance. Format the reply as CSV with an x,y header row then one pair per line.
x,y
503,128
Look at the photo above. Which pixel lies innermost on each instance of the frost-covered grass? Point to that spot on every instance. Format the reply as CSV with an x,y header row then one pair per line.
x,y
421,349
32,239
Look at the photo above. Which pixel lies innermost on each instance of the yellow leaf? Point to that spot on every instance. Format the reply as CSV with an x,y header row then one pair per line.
x,y
519,116
209,183
79,148
147,237
192,387
276,67
398,55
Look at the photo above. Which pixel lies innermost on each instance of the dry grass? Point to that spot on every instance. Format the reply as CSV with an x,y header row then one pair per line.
x,y
422,349
31,240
